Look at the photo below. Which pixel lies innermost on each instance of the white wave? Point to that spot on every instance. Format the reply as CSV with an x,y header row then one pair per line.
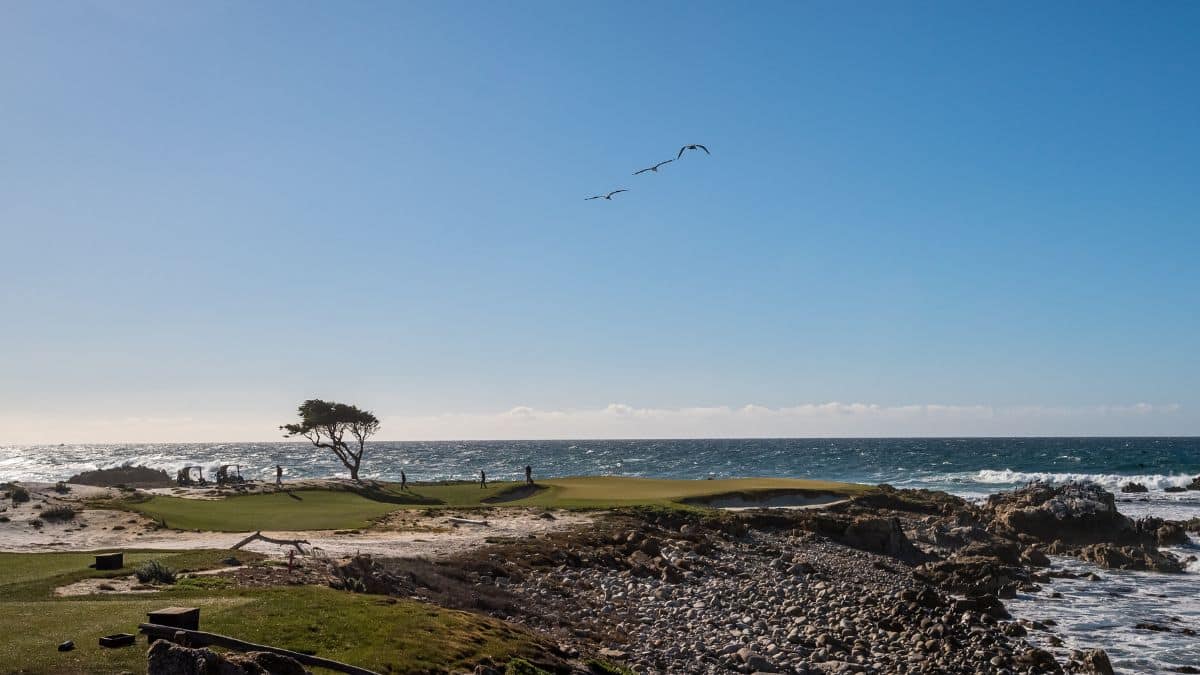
x,y
1155,481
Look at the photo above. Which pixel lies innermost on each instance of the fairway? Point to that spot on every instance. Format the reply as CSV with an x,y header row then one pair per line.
x,y
306,510
339,509
606,491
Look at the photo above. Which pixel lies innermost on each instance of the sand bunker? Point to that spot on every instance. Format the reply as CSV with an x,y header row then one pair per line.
x,y
768,499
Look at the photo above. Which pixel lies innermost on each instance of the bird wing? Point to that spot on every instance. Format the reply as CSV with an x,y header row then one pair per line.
x,y
616,191
642,171
703,148
596,197
661,163
681,152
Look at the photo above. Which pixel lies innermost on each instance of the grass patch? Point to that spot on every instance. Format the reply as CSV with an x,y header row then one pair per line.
x,y
382,634
301,510
342,509
601,492
34,576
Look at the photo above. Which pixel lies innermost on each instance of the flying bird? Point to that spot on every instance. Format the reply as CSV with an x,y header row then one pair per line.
x,y
692,147
607,196
654,168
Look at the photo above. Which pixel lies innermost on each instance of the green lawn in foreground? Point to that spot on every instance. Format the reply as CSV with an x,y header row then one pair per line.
x,y
369,631
341,509
34,576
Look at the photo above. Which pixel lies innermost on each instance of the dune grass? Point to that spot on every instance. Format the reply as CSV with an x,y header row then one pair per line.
x,y
371,631
341,509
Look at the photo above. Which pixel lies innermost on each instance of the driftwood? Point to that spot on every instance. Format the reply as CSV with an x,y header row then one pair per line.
x,y
467,521
258,536
196,638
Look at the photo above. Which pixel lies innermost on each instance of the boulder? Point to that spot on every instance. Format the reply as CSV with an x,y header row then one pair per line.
x,y
1076,513
1096,660
1134,487
168,658
1117,557
1195,484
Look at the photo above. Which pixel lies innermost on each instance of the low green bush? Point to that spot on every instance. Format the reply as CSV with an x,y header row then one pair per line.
x,y
18,494
57,513
153,571
523,667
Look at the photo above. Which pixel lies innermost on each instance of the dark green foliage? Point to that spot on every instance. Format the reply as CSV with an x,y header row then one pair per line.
x,y
523,667
18,494
326,423
605,668
153,571
61,512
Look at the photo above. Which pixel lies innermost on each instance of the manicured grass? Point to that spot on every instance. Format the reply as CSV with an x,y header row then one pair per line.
x,y
593,492
342,509
306,510
371,631
604,492
34,576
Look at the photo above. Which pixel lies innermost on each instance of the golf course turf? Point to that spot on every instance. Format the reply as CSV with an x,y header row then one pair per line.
x,y
384,634
334,509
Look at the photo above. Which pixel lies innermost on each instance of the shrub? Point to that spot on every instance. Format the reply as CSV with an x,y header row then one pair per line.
x,y
61,488
18,494
57,513
523,667
153,571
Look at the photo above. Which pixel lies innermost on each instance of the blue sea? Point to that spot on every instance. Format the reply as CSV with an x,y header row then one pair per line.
x,y
1091,614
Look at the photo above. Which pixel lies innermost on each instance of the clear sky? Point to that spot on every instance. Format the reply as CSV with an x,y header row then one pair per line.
x,y
918,218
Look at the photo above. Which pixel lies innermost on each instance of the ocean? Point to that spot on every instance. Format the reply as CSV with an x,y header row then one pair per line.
x,y
1090,614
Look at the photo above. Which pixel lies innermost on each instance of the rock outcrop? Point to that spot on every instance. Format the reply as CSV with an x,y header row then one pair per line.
x,y
1076,513
129,476
168,658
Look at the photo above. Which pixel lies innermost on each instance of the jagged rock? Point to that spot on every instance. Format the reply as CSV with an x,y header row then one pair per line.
x,y
1079,513
1113,556
1032,555
1097,661
1134,487
1004,551
1195,484
168,658
880,535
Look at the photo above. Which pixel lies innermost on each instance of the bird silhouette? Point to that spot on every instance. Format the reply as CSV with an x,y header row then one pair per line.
x,y
607,196
653,168
692,147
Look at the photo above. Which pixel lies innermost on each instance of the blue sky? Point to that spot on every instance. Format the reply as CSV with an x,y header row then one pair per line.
x,y
944,218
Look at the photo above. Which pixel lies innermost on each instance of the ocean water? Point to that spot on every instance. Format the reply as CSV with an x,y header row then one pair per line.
x,y
1090,614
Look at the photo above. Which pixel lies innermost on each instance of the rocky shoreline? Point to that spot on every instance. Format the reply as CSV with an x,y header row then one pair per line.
x,y
895,582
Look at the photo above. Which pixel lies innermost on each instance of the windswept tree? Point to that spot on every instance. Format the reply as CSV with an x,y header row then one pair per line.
x,y
326,424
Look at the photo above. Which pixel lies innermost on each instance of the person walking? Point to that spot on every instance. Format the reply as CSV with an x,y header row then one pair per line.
x,y
528,475
278,476
482,480
403,480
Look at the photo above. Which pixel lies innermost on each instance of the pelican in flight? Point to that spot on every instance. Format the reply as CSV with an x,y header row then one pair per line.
x,y
692,147
654,168
607,196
